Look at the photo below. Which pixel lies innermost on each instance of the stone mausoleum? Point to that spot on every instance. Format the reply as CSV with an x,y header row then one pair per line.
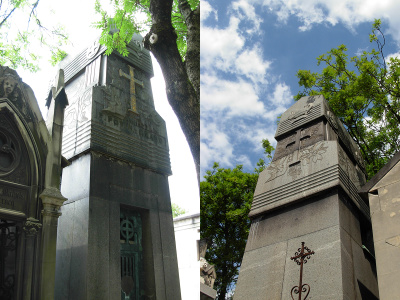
x,y
311,231
104,231
116,235
30,197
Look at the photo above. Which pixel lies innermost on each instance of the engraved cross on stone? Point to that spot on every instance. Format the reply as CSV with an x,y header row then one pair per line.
x,y
301,135
133,81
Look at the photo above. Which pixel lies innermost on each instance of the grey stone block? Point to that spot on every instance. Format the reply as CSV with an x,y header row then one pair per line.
x,y
261,273
296,220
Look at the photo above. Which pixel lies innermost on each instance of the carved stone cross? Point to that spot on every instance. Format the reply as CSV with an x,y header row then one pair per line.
x,y
301,135
133,81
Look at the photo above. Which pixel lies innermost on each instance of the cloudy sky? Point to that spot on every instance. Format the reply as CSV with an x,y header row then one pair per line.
x,y
77,16
250,53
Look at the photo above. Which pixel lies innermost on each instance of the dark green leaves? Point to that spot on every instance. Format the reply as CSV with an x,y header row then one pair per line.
x,y
225,201
364,92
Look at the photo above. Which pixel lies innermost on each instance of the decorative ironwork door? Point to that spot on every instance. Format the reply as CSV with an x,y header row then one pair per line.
x,y
8,259
131,254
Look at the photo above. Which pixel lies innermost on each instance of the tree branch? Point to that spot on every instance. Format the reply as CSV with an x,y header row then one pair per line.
x,y
5,18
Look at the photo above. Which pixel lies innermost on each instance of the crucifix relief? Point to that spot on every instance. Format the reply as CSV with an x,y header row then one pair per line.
x,y
133,81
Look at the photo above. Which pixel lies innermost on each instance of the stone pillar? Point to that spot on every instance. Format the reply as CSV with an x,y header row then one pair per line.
x,y
309,194
31,230
116,235
52,200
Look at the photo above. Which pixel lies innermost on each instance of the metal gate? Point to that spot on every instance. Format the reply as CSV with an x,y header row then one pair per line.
x,y
131,254
8,259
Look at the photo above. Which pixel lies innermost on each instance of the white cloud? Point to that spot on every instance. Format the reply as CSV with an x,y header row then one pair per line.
x,y
245,161
282,95
249,15
214,146
219,47
251,64
236,98
349,12
207,11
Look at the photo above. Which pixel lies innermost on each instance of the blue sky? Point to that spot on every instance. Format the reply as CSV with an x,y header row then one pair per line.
x,y
250,53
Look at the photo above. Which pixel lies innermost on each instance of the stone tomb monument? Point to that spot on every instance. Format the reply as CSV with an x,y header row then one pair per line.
x,y
383,193
30,172
309,194
116,235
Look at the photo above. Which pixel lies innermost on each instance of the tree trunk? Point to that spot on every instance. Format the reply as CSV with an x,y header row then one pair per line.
x,y
182,83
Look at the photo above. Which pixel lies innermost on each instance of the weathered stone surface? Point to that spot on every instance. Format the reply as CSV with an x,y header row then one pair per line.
x,y
262,273
30,171
383,191
302,174
309,193
118,146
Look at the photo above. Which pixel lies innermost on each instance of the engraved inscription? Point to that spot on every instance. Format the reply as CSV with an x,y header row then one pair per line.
x,y
113,95
13,198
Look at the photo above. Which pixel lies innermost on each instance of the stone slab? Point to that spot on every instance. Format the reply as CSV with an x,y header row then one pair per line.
x,y
299,219
207,293
98,272
76,175
261,273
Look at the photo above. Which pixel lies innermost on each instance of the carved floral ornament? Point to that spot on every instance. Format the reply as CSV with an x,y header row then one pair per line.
x,y
312,154
31,227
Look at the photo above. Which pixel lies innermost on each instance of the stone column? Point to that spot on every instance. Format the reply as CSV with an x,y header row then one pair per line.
x,y
31,229
52,200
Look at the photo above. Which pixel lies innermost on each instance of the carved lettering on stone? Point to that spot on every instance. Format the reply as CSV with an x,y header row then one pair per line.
x,y
114,95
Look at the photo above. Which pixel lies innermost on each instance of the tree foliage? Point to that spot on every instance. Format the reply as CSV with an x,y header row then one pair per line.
x,y
225,201
364,92
173,36
22,32
177,210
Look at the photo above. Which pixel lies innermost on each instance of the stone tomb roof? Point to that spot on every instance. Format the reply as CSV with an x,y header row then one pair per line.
x,y
314,153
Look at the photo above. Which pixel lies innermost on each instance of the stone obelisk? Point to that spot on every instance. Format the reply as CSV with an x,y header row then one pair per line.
x,y
116,236
308,194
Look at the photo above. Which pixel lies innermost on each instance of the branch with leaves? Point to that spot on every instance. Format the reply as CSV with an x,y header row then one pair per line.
x,y
365,96
173,37
16,43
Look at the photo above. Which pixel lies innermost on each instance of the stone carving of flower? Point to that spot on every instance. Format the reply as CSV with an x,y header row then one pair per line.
x,y
313,153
